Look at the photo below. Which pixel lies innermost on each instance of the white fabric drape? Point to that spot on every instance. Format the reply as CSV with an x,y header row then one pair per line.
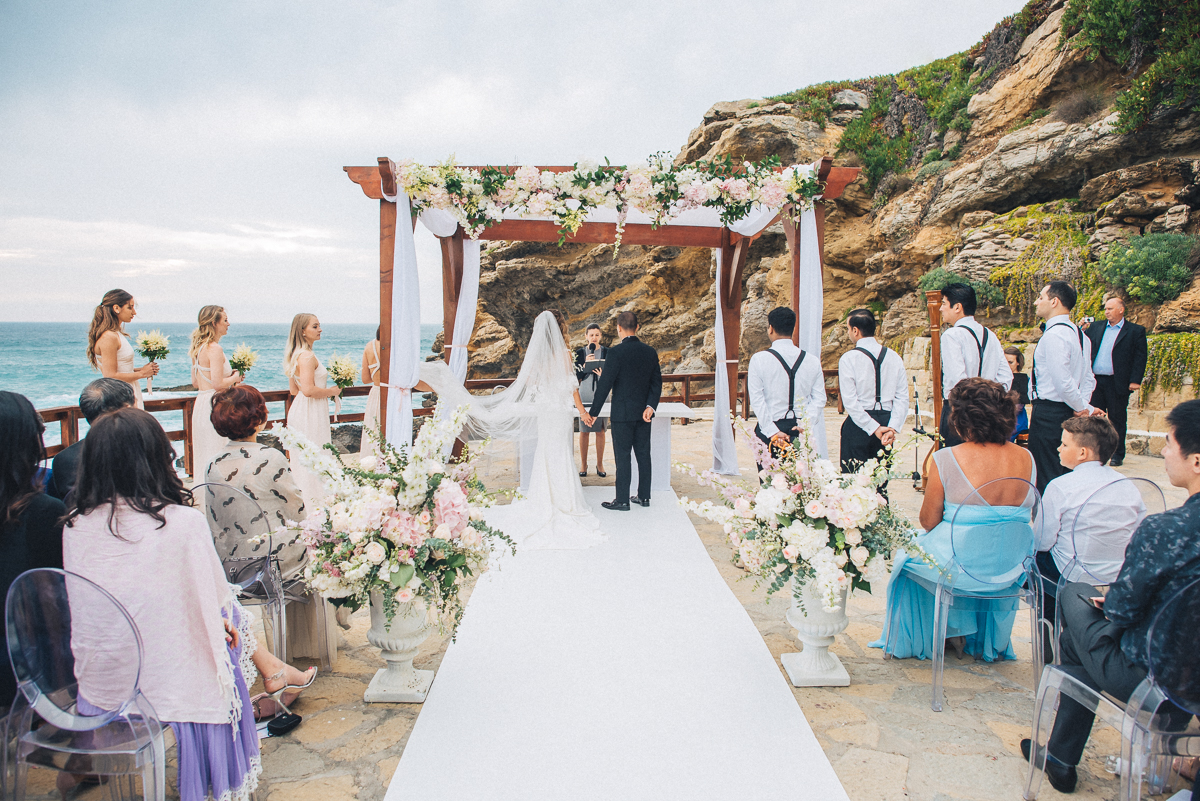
x,y
464,318
812,303
724,452
405,364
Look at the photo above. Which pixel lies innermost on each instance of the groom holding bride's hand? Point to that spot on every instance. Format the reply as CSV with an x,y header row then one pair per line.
x,y
631,373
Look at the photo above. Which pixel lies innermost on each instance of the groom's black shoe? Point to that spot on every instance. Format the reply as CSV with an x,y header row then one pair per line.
x,y
640,501
615,506
1062,777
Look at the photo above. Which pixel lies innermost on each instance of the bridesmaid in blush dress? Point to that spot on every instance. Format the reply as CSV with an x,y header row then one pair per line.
x,y
309,413
370,375
109,350
210,373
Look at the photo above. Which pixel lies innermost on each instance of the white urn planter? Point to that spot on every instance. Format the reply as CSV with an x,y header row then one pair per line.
x,y
816,629
399,641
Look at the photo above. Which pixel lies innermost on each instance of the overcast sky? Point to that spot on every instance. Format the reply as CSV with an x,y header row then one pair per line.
x,y
192,152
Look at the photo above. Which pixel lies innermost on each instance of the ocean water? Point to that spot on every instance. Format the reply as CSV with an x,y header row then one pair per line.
x,y
47,362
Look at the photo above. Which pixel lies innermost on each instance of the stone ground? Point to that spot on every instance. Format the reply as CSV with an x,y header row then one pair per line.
x,y
880,734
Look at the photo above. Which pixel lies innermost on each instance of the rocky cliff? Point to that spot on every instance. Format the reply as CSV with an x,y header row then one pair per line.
x,y
971,164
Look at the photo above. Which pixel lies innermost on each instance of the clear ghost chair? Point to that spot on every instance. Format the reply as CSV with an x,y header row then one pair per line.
x,y
242,534
1152,723
991,537
1105,522
77,656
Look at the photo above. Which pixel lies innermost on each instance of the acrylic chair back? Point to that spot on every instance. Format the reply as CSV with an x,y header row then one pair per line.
x,y
68,638
1171,648
241,531
1103,525
992,532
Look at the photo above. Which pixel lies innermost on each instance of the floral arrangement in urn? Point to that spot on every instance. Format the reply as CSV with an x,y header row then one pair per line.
x,y
808,521
405,524
480,197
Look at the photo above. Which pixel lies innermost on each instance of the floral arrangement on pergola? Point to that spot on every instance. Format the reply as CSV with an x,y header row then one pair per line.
x,y
719,204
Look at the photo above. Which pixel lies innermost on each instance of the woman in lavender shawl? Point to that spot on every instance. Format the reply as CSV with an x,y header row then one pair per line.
x,y
132,532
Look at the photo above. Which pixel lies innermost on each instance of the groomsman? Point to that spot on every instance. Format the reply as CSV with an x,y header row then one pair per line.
x,y
874,388
632,374
1119,364
781,378
968,350
1061,380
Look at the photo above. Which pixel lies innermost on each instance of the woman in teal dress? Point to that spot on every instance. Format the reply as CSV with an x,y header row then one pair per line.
x,y
993,533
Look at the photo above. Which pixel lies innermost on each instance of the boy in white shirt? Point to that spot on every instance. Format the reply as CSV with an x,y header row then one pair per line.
x,y
1088,515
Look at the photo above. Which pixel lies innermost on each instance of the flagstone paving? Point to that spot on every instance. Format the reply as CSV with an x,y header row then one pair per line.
x,y
880,734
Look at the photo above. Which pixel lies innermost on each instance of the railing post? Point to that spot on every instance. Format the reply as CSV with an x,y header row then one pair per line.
x,y
188,454
687,395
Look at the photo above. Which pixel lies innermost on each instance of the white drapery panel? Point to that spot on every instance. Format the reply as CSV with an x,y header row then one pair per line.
x,y
405,363
464,318
724,451
812,303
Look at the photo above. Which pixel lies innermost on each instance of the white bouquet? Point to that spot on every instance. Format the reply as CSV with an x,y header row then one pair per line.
x,y
243,359
153,346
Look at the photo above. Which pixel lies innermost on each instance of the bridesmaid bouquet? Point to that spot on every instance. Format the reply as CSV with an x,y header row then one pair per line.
x,y
153,346
808,521
243,359
406,524
344,373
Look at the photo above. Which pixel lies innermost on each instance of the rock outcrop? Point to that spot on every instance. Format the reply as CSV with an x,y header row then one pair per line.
x,y
880,241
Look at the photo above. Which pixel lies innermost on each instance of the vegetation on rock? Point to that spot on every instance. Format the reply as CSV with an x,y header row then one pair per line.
x,y
1151,268
1163,34
1170,358
937,278
1059,251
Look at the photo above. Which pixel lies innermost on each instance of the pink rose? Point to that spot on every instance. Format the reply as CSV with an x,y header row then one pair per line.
x,y
404,596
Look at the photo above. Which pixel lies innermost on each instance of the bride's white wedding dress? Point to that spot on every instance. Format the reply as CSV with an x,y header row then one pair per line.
x,y
553,515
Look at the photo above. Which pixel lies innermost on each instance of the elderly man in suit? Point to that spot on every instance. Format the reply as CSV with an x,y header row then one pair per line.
x,y
99,397
1119,363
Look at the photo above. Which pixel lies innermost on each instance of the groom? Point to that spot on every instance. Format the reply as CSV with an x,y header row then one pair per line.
x,y
632,374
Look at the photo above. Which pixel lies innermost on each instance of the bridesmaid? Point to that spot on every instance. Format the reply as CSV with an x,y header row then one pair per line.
x,y
210,373
109,350
370,375
309,413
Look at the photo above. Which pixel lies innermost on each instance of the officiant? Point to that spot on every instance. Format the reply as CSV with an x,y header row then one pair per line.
x,y
594,353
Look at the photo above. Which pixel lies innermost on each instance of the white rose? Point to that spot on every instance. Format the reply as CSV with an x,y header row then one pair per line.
x,y
859,556
853,536
375,552
356,537
414,583
442,532
841,559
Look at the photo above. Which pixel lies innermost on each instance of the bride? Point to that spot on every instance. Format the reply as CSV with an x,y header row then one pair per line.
x,y
553,514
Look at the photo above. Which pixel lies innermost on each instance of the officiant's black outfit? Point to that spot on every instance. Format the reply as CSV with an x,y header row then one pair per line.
x,y
631,373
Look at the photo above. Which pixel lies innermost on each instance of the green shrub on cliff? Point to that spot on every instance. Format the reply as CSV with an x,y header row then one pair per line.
x,y
1170,358
1164,34
987,294
1151,268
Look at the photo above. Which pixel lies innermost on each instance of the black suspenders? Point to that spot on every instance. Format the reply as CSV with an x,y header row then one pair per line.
x,y
791,374
981,345
1033,368
878,372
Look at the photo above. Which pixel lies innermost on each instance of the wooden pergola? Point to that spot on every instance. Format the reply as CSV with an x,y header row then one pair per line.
x,y
379,183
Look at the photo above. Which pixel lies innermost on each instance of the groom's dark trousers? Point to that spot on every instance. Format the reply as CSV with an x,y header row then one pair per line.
x,y
631,373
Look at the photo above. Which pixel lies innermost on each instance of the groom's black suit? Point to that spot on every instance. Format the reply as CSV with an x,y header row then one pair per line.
x,y
631,373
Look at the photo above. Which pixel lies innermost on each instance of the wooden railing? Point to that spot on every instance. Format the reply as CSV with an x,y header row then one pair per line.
x,y
68,417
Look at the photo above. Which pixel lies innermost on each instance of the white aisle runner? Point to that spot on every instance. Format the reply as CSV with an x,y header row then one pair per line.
x,y
626,671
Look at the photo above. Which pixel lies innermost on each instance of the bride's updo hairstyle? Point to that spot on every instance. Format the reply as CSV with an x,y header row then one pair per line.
x,y
982,411
206,329
562,321
104,319
296,341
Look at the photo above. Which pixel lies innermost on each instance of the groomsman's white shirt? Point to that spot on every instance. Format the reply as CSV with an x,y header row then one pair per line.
x,y
1062,369
856,379
769,386
1111,510
960,356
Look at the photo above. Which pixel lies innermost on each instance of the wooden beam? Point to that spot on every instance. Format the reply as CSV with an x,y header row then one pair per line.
x,y
837,181
733,263
793,242
368,179
452,276
606,233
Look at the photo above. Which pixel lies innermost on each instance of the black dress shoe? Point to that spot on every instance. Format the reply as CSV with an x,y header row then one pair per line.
x,y
1115,462
615,506
1062,777
640,501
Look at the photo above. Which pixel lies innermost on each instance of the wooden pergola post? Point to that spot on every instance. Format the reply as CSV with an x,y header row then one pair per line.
x,y
387,260
733,263
452,277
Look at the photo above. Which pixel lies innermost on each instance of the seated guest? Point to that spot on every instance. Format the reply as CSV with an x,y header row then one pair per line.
x,y
132,530
1107,650
99,397
1020,385
983,413
1084,529
30,521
